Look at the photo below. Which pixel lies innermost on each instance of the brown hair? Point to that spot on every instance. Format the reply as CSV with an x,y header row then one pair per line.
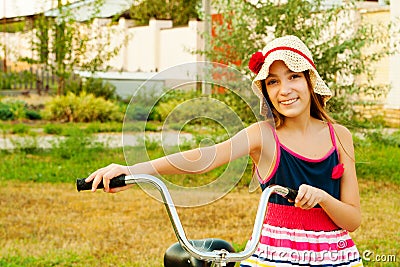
x,y
317,109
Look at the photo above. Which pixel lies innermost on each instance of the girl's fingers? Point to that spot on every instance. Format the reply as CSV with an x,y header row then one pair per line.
x,y
308,197
105,175
309,204
115,171
108,176
91,176
96,181
300,199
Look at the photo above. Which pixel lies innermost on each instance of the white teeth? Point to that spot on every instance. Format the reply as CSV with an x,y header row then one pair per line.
x,y
288,102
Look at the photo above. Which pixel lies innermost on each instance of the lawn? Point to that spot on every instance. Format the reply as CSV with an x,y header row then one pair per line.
x,y
46,222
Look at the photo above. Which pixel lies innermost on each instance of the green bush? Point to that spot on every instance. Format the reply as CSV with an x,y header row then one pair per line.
x,y
99,88
139,112
164,109
81,108
95,86
238,105
341,110
200,111
18,108
11,109
5,112
169,101
181,107
32,115
152,127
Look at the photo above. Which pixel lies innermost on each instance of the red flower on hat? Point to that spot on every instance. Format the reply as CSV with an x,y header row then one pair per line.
x,y
256,62
337,171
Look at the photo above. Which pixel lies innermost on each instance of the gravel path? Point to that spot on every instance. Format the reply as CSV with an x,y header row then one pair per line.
x,y
112,140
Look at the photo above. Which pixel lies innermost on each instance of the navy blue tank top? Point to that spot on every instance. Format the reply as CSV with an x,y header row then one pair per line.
x,y
292,170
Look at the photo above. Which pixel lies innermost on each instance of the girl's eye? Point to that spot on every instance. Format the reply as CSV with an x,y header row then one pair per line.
x,y
271,82
295,76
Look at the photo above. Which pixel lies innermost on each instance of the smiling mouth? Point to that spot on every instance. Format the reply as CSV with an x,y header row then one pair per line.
x,y
289,101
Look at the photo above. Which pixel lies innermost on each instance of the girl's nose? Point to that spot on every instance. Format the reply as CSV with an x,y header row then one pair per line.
x,y
285,88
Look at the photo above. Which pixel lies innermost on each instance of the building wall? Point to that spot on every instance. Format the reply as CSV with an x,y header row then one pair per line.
x,y
379,16
178,45
158,46
387,70
393,99
381,67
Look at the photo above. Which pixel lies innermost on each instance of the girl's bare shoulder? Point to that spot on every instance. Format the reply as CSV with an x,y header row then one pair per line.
x,y
261,128
344,138
342,132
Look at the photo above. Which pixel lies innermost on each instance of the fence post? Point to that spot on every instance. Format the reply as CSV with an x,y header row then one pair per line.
x,y
31,82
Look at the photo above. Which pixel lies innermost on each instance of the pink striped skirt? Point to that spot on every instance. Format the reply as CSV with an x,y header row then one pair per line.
x,y
284,245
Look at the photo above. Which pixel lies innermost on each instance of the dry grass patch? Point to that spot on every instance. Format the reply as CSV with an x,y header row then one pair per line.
x,y
52,224
39,220
380,228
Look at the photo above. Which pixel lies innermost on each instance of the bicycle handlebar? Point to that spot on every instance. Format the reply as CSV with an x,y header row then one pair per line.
x,y
220,256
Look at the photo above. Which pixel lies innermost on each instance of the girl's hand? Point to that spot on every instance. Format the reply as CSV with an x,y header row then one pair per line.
x,y
309,196
106,174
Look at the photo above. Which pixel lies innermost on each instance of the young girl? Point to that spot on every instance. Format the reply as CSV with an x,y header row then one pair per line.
x,y
309,153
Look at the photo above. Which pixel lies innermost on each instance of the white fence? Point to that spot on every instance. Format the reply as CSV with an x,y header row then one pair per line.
x,y
151,48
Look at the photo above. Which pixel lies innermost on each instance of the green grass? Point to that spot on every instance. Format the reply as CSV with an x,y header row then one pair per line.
x,y
78,155
57,128
48,166
377,157
77,159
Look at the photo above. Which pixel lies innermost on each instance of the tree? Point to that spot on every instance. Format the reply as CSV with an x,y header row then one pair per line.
x,y
180,12
62,45
335,35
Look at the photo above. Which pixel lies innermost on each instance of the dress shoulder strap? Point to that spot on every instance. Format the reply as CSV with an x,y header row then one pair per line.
x,y
333,138
275,135
274,167
332,133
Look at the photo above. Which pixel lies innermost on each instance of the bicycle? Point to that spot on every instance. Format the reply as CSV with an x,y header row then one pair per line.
x,y
206,252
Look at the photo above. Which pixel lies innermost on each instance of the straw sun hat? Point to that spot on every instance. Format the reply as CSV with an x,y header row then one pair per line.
x,y
297,58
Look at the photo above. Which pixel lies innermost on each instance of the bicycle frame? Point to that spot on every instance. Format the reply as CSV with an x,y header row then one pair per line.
x,y
218,257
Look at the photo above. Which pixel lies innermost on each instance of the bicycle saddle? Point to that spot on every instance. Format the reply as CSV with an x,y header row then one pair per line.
x,y
176,256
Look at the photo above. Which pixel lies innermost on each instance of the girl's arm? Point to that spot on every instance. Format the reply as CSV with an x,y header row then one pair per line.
x,y
345,212
199,160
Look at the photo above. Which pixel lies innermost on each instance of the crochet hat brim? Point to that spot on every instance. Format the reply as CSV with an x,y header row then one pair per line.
x,y
297,57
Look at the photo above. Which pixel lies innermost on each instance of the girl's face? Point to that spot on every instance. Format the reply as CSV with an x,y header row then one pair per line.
x,y
288,90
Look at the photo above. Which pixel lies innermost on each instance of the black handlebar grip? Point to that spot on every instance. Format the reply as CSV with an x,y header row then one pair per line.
x,y
292,194
118,181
